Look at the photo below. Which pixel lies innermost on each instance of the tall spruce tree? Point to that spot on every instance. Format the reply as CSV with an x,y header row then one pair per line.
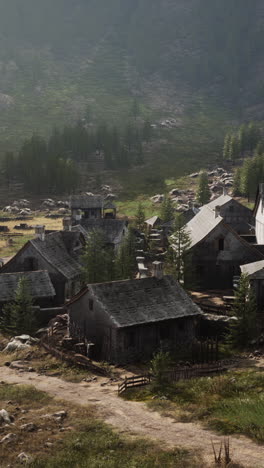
x,y
18,316
203,194
98,259
226,149
178,251
243,330
140,217
125,265
167,211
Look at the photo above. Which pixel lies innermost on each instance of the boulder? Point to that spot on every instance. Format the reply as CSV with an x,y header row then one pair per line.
x,y
157,198
194,175
175,192
19,343
111,196
4,417
15,345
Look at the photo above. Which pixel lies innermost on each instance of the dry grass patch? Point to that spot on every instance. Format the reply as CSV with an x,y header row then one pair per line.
x,y
18,242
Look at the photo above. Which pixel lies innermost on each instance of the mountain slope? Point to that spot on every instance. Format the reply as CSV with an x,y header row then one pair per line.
x,y
57,57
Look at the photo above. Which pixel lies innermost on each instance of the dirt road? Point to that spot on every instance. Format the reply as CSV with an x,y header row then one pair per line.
x,y
136,418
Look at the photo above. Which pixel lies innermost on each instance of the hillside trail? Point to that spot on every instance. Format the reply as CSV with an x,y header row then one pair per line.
x,y
135,418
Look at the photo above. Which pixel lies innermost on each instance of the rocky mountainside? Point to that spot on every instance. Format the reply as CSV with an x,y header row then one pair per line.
x,y
59,57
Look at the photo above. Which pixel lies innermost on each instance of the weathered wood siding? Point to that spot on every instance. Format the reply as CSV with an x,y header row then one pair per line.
x,y
217,259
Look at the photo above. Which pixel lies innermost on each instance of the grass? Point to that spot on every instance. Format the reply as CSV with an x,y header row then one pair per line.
x,y
80,440
231,403
19,242
23,394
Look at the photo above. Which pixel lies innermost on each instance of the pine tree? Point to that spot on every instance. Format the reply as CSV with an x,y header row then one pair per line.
x,y
244,328
126,259
179,246
97,259
140,217
203,194
18,316
234,148
226,149
237,183
167,211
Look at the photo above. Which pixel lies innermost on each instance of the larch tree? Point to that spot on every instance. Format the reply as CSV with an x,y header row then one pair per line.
x,y
203,194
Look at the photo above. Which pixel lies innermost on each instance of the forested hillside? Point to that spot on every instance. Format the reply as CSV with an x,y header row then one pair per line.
x,y
59,58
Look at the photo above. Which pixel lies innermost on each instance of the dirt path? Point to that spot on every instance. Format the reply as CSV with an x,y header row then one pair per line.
x,y
135,418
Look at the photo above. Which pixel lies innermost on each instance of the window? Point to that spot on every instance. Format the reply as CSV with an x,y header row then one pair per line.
x,y
231,209
91,303
221,244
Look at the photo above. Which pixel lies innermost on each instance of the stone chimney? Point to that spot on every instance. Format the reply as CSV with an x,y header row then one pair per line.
x,y
67,224
158,270
40,232
217,211
224,190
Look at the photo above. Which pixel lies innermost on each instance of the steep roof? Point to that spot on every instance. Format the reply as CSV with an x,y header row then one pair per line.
x,y
152,221
54,249
148,300
251,268
220,201
202,224
79,202
112,228
39,285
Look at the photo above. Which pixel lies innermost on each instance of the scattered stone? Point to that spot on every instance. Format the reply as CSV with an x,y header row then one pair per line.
x,y
8,438
48,444
30,427
194,175
24,458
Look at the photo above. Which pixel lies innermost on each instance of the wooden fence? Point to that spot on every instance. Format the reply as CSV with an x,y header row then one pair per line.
x,y
77,360
173,375
137,381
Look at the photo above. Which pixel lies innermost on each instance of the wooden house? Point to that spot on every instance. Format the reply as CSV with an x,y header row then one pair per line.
x,y
128,321
216,249
255,272
237,216
58,254
39,284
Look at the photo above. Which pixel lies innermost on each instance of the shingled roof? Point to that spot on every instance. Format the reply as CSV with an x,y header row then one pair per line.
x,y
202,224
78,202
54,250
137,302
112,228
39,285
220,201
